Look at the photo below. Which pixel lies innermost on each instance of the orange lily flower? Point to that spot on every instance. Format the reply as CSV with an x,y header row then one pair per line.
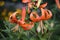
x,y
13,18
42,15
23,14
27,26
26,1
43,5
46,14
21,22
34,16
57,3
30,5
29,10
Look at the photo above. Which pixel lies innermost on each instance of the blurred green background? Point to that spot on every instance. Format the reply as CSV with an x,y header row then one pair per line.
x,y
7,7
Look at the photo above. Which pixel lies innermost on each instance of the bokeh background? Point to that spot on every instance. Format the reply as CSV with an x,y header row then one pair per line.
x,y
7,7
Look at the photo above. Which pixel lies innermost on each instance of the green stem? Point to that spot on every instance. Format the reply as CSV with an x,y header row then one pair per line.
x,y
3,36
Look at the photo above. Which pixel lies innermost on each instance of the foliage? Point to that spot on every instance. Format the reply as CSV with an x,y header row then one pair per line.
x,y
53,26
